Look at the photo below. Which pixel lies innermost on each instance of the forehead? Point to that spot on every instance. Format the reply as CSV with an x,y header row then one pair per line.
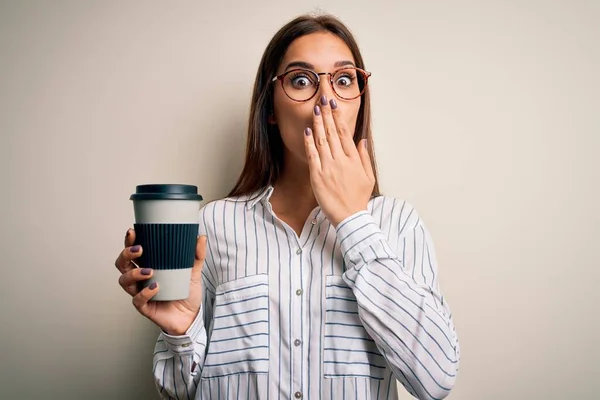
x,y
322,49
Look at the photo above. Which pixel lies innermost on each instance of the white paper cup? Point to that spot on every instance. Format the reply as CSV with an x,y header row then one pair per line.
x,y
166,226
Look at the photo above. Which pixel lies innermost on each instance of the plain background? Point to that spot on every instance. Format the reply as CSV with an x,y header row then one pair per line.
x,y
486,118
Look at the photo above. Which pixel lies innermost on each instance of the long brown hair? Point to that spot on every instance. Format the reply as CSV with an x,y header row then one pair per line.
x,y
264,147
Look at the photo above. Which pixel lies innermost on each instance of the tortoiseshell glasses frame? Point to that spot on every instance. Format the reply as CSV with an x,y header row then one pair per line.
x,y
300,93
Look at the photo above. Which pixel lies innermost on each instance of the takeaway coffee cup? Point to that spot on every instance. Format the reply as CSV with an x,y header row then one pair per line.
x,y
166,226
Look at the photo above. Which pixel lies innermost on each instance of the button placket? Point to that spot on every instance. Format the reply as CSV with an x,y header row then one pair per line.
x,y
298,351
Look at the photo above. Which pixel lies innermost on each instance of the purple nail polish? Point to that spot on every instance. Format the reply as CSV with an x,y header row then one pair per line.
x,y
135,248
307,131
333,104
153,285
317,110
324,100
146,271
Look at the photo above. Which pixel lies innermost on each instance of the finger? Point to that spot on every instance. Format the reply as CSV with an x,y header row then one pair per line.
x,y
124,261
331,132
129,280
199,259
140,300
365,159
129,238
319,136
345,136
312,154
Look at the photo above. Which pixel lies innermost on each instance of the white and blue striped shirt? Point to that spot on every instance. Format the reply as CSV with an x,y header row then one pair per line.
x,y
337,313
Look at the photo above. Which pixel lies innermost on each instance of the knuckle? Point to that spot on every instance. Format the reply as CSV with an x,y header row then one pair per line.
x,y
322,141
127,278
138,300
121,260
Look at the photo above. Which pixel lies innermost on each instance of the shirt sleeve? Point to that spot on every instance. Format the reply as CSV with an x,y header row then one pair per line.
x,y
399,301
178,360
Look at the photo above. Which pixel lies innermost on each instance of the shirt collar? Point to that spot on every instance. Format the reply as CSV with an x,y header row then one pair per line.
x,y
260,196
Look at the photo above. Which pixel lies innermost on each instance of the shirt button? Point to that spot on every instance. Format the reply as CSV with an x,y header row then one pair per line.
x,y
314,221
299,251
298,395
299,292
297,342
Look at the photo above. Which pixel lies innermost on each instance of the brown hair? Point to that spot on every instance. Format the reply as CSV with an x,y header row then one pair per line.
x,y
264,147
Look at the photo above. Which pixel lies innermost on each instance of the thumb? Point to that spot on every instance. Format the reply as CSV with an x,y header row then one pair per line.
x,y
365,159
199,259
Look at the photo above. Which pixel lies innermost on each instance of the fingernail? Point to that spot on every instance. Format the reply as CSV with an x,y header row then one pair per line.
x,y
324,100
146,271
317,110
333,103
135,249
307,131
153,285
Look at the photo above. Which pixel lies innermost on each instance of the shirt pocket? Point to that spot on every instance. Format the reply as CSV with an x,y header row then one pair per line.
x,y
239,339
349,350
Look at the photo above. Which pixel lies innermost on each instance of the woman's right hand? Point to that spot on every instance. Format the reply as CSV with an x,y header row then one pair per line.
x,y
173,317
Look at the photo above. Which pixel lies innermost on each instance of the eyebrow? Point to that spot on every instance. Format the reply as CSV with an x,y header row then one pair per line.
x,y
303,64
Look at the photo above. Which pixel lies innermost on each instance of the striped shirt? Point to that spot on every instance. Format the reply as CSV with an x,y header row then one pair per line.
x,y
337,313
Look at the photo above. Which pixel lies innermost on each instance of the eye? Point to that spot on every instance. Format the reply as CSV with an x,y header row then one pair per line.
x,y
345,80
301,80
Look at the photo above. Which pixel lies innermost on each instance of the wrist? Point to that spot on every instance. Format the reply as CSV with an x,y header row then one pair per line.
x,y
175,332
183,326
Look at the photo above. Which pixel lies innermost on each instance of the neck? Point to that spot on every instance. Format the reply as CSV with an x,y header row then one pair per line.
x,y
293,191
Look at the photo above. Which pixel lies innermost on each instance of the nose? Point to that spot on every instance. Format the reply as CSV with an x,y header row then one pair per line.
x,y
325,89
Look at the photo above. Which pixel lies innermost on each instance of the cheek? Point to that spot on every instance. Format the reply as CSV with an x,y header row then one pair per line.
x,y
291,116
350,115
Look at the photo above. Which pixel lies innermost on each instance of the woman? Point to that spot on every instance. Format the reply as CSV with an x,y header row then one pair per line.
x,y
308,283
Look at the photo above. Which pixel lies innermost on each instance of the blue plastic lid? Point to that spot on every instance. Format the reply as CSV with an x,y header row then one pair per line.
x,y
166,192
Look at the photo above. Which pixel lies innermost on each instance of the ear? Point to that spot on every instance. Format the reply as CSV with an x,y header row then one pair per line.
x,y
271,120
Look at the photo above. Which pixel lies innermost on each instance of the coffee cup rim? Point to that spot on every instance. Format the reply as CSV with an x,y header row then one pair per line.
x,y
166,192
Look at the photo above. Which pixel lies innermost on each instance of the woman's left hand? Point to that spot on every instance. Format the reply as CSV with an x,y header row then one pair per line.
x,y
341,174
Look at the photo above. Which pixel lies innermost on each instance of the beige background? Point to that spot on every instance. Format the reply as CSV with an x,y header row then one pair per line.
x,y
486,117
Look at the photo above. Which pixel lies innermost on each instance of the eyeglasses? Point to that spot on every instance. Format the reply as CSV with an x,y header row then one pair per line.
x,y
301,84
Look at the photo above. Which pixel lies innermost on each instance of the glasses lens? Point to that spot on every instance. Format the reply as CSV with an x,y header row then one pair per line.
x,y
300,84
349,83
